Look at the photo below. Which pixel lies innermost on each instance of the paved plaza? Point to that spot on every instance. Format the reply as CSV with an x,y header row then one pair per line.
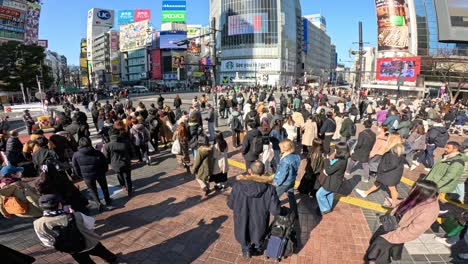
x,y
170,220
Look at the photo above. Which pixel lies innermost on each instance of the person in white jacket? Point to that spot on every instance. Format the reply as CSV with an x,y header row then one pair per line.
x,y
291,129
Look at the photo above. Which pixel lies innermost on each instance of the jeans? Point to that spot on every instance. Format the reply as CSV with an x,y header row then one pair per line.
x,y
125,179
235,138
460,192
277,157
427,158
325,200
91,184
290,192
99,250
365,168
142,152
211,130
266,158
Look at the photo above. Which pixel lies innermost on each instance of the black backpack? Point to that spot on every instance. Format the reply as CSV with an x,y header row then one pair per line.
x,y
257,145
69,239
236,124
140,138
441,140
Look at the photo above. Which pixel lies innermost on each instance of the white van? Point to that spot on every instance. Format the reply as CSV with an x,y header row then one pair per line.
x,y
139,89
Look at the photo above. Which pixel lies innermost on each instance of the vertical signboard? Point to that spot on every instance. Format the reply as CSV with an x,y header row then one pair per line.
x,y
392,24
125,17
103,17
156,64
174,11
142,15
32,24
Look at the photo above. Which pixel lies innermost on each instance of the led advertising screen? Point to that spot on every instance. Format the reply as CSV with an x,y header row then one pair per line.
x,y
390,68
134,36
156,64
452,16
247,24
167,39
178,61
392,25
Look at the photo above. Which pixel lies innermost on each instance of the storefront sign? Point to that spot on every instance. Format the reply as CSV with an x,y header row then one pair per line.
x,y
173,16
9,12
250,65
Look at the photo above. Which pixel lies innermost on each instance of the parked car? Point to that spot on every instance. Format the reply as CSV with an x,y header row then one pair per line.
x,y
139,89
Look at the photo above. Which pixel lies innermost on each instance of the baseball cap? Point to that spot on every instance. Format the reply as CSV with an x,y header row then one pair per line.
x,y
7,170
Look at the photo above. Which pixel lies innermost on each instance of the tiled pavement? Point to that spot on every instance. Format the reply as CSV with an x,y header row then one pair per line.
x,y
170,221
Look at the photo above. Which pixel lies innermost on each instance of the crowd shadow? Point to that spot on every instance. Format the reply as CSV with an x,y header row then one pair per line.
x,y
308,220
184,248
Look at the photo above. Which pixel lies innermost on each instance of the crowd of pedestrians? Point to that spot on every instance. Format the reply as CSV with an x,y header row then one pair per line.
x,y
273,135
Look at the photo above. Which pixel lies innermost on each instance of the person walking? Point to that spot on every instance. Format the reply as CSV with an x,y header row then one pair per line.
x,y
211,119
181,134
348,128
360,153
14,149
436,137
415,215
140,138
91,165
86,243
28,121
390,170
221,165
334,169
203,164
277,134
236,125
285,176
314,167
416,143
327,130
310,134
252,146
118,156
392,122
252,200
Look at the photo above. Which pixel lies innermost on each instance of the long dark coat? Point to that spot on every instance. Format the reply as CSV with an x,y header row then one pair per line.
x,y
390,169
253,199
364,145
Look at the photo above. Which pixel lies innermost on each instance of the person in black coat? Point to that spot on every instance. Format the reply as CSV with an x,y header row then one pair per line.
x,y
327,131
91,165
14,149
360,153
253,199
389,172
334,170
248,145
116,152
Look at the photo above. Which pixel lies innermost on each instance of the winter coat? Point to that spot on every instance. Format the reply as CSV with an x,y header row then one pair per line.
x,y
277,136
248,145
220,161
252,200
310,133
390,169
417,141
117,154
298,119
434,132
447,171
203,165
390,123
194,130
59,144
414,222
404,129
339,124
364,145
381,116
13,150
139,130
89,163
329,126
291,131
379,146
235,114
25,193
287,170
44,156
334,171
177,102
346,128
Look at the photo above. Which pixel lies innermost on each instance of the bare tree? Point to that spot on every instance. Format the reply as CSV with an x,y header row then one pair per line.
x,y
453,71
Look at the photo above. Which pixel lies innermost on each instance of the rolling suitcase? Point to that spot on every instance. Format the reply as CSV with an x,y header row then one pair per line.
x,y
275,247
282,237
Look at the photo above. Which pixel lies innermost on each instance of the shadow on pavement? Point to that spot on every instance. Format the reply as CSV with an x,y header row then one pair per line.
x,y
308,220
184,248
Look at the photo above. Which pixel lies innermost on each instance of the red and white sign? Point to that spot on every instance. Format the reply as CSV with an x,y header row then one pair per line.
x,y
156,64
142,15
389,69
43,43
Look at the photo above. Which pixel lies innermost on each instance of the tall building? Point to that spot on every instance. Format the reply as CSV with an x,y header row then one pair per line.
x,y
258,42
19,20
317,20
317,49
58,67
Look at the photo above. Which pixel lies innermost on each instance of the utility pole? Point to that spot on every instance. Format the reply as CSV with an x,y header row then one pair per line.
x,y
359,65
214,51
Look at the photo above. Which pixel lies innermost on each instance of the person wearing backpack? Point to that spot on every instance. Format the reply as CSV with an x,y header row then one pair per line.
x,y
277,134
152,122
392,122
252,146
69,232
437,137
327,130
360,153
236,125
140,136
447,171
348,128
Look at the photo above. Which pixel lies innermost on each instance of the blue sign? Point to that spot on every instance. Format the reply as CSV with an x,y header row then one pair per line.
x,y
104,15
125,17
168,39
174,6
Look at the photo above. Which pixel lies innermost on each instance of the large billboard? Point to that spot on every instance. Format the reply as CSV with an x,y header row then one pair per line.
x,y
142,15
174,6
134,36
178,62
101,17
174,16
32,24
392,25
168,39
389,69
125,17
247,24
452,16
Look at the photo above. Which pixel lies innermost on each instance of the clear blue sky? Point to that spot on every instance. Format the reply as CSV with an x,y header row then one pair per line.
x,y
63,22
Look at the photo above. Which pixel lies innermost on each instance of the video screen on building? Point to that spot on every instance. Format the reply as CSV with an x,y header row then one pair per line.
x,y
168,39
452,16
390,68
392,24
247,24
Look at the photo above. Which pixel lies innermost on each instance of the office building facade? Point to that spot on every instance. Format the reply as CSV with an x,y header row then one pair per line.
x,y
317,50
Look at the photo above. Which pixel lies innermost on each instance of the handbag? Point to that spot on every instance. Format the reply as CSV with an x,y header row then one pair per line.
x,y
14,206
389,222
176,148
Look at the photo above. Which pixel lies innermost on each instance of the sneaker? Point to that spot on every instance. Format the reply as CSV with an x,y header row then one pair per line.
x,y
413,167
365,180
406,166
443,241
416,163
361,193
246,254
427,169
442,212
463,256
